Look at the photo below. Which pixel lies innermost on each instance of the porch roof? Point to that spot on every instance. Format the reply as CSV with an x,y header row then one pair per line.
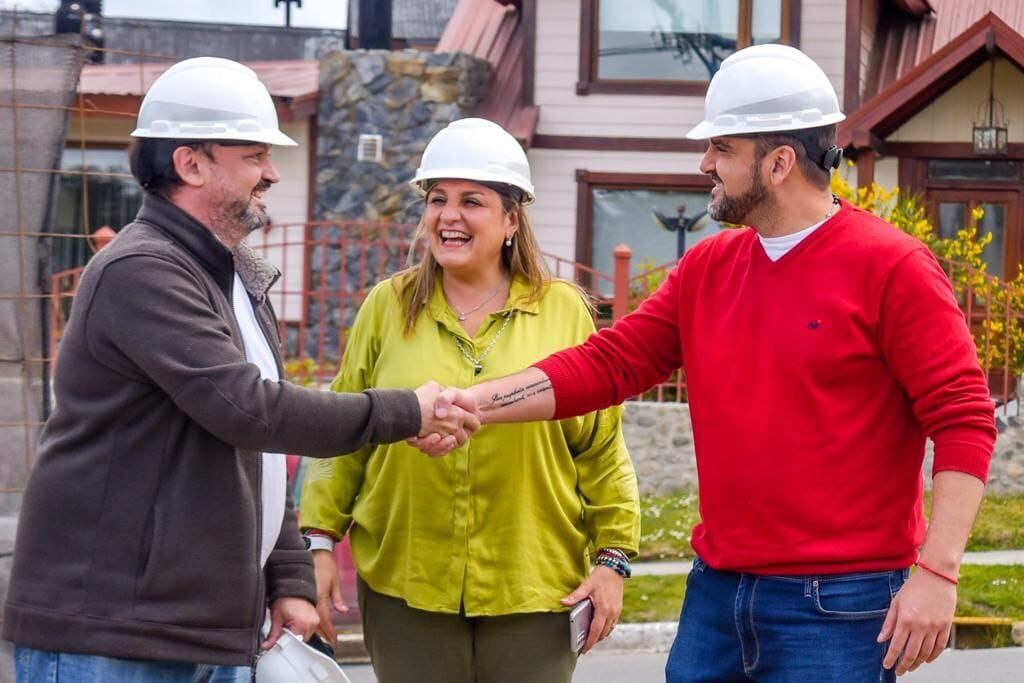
x,y
293,83
917,87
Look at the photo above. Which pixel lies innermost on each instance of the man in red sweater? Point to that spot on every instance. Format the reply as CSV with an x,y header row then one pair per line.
x,y
821,348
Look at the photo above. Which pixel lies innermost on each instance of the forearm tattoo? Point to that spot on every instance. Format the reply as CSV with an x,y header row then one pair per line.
x,y
520,393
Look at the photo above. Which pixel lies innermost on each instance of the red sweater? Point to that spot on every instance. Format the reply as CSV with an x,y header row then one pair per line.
x,y
813,382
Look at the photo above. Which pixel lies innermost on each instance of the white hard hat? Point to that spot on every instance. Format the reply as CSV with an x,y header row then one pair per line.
x,y
293,661
475,149
209,98
766,89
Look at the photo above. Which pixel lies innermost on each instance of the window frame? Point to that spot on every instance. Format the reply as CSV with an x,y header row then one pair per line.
x,y
587,182
590,83
84,230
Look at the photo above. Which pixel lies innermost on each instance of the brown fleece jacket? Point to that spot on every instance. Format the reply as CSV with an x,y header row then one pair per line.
x,y
139,534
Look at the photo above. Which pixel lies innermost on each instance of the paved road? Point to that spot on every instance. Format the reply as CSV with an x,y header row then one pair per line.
x,y
1005,665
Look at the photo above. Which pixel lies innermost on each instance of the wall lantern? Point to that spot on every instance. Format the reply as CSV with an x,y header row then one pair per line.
x,y
989,133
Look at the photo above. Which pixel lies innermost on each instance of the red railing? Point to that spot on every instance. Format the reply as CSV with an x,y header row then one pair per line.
x,y
328,268
63,286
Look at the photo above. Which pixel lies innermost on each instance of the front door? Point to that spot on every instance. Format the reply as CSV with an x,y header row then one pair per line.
x,y
951,211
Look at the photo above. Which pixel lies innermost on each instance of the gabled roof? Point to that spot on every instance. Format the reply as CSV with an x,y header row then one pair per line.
x,y
917,29
494,30
902,99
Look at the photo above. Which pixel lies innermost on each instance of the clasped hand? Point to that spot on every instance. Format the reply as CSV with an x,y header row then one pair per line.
x,y
449,417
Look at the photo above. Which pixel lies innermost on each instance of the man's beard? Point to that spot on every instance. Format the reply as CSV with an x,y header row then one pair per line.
x,y
237,218
737,209
246,217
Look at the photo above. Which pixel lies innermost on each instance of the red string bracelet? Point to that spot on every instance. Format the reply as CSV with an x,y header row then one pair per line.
x,y
952,579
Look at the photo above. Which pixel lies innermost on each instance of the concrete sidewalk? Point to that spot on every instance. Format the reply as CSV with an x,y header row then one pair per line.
x,y
991,557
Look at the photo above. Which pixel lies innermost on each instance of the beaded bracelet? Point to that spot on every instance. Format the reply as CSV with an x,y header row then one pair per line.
x,y
615,560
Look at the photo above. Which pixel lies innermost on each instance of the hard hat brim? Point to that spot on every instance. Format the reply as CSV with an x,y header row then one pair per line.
x,y
705,130
267,137
291,660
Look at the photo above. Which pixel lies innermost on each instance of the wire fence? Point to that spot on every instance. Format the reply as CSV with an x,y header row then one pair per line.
x,y
54,191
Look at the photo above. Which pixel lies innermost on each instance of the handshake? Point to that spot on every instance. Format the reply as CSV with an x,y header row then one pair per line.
x,y
449,416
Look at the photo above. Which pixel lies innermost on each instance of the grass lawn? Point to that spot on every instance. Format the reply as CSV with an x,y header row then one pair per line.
x,y
653,598
665,526
1000,523
667,522
984,591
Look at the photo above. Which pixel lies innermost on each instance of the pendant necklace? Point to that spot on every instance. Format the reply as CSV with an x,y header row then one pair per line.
x,y
478,361
462,315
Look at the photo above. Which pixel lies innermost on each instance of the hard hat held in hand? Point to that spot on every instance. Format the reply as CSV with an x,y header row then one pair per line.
x,y
767,89
293,661
475,149
209,98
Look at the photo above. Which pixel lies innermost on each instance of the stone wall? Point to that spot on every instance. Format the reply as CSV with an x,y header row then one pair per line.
x,y
406,97
660,442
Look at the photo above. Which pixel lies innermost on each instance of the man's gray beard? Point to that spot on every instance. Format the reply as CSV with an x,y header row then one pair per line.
x,y
246,217
238,219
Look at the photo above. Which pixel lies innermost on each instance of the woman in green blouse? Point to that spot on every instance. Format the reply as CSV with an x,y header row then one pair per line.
x,y
465,562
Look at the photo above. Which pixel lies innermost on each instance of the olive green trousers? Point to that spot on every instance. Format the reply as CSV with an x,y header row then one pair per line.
x,y
409,645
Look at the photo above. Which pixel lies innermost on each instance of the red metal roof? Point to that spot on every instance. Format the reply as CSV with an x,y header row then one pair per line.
x,y
493,30
295,79
903,42
936,74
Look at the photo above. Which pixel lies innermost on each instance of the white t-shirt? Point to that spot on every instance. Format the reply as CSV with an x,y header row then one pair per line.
x,y
275,470
777,247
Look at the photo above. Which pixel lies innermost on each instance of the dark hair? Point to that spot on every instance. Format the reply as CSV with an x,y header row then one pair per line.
x,y
152,163
813,147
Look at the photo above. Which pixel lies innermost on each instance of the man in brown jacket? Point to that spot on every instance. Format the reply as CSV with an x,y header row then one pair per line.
x,y
155,530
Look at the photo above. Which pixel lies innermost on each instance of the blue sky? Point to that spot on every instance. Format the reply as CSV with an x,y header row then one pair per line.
x,y
314,13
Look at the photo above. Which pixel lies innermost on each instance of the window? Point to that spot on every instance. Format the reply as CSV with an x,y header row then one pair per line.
x,y
105,195
672,46
951,210
643,211
974,169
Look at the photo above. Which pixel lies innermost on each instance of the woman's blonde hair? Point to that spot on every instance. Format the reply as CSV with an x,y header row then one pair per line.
x,y
524,259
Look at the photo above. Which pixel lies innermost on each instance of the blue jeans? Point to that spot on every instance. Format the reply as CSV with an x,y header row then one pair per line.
x,y
797,629
40,666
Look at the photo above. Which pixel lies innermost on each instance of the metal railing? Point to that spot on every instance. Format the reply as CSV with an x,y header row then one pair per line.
x,y
341,261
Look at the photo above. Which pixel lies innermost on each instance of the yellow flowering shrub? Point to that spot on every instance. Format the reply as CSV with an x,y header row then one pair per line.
x,y
994,306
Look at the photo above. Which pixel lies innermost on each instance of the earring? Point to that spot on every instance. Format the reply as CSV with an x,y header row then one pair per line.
x,y
508,241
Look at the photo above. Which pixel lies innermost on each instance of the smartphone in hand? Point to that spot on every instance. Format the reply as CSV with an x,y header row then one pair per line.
x,y
579,624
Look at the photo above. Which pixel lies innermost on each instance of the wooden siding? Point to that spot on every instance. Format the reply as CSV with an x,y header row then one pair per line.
x,y
887,172
949,117
823,36
563,112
